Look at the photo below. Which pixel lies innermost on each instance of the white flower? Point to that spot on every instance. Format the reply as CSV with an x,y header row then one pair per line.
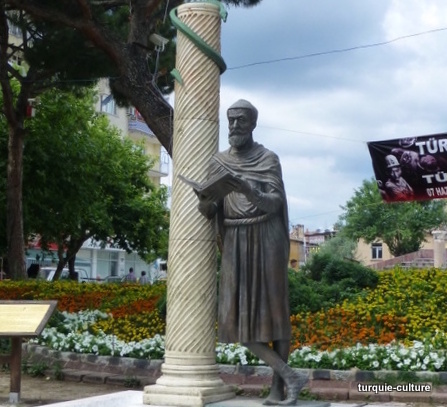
x,y
417,345
395,357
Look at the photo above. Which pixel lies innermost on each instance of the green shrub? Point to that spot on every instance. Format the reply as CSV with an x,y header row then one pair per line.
x,y
338,270
37,369
325,281
331,268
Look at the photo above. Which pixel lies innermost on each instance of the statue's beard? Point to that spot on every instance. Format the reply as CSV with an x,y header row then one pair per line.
x,y
238,141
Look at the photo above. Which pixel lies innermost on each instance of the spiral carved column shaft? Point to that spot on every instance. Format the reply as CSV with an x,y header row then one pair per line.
x,y
190,373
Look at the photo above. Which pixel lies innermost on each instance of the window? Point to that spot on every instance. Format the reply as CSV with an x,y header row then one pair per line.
x,y
376,251
107,263
108,104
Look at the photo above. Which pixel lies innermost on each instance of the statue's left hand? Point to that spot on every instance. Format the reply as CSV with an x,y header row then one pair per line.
x,y
242,185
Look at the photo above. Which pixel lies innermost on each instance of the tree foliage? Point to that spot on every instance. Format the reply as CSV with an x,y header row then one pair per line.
x,y
82,180
401,226
340,246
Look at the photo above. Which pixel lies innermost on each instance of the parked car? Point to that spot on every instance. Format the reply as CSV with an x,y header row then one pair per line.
x,y
48,273
114,279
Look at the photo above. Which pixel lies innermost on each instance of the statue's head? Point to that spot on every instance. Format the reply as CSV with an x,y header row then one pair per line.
x,y
242,118
246,105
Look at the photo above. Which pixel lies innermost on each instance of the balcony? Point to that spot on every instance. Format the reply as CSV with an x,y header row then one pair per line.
x,y
135,124
140,130
161,167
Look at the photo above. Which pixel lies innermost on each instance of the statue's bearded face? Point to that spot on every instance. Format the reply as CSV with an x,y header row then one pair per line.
x,y
240,126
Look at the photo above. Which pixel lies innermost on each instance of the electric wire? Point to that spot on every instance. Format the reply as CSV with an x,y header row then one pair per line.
x,y
338,51
312,134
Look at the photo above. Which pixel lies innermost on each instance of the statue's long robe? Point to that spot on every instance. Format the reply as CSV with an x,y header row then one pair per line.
x,y
253,291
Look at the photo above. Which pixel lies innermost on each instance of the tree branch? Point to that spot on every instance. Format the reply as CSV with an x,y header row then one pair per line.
x,y
109,3
85,9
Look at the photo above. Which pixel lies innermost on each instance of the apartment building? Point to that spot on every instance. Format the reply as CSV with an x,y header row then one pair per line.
x,y
305,242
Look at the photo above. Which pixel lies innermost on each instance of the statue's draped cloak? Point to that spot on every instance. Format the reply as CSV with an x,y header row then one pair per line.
x,y
253,290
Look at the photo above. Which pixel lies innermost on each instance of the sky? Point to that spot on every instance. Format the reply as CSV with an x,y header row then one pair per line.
x,y
327,77
380,73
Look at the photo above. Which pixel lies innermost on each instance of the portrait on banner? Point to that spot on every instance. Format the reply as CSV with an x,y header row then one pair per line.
x,y
412,168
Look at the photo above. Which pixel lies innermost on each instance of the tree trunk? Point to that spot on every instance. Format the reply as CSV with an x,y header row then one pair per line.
x,y
15,237
136,85
61,260
71,268
66,253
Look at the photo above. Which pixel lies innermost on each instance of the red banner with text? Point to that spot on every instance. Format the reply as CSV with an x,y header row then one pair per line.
x,y
412,168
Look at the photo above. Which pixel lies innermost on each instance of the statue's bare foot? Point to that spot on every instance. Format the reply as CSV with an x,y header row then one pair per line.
x,y
294,386
276,391
273,398
270,401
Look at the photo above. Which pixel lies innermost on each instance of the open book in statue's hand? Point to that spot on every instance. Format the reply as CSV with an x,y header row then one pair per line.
x,y
216,187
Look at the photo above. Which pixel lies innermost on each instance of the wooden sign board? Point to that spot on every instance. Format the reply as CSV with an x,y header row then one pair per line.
x,y
24,318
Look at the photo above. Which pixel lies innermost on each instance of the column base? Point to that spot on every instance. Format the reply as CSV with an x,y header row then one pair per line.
x,y
160,395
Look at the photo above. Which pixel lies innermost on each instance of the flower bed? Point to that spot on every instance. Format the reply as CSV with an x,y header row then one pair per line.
x,y
406,305
130,310
420,356
399,325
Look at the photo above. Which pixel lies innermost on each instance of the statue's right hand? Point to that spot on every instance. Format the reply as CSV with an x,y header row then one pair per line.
x,y
242,185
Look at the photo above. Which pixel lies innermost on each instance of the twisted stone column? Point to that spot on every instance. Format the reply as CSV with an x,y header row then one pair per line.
x,y
190,373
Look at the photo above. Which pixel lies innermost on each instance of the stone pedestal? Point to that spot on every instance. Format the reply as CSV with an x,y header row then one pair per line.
x,y
190,375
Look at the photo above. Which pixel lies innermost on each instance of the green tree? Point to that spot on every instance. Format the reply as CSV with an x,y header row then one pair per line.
x,y
326,280
341,246
401,226
81,180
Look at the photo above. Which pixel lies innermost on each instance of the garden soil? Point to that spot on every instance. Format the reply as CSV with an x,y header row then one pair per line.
x,y
38,391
